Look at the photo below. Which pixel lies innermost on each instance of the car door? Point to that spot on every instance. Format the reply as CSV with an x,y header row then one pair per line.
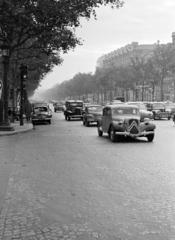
x,y
106,119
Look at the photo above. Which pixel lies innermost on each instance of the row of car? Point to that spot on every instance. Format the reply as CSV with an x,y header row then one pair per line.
x,y
151,110
117,119
91,113
120,119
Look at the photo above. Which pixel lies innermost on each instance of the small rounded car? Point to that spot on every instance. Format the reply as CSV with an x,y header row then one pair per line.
x,y
124,120
144,113
159,110
170,107
41,114
92,113
58,107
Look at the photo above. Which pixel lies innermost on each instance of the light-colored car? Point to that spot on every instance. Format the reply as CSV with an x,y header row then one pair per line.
x,y
124,120
144,113
41,113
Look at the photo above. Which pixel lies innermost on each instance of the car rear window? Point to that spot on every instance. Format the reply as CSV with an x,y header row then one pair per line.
x,y
95,109
125,111
41,109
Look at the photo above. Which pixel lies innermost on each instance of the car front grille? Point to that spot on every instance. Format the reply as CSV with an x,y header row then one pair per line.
x,y
133,126
77,111
134,130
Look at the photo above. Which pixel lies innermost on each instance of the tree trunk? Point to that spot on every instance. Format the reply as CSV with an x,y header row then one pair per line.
x,y
161,89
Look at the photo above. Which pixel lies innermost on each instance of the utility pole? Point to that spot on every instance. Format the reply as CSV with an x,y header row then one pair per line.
x,y
23,76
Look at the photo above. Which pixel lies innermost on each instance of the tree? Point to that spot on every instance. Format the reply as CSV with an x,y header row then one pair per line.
x,y
164,62
44,24
47,26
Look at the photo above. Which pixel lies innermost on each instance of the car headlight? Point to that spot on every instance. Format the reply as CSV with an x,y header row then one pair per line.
x,y
168,110
118,122
90,115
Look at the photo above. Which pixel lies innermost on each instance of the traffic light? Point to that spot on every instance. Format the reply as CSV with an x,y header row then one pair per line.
x,y
24,71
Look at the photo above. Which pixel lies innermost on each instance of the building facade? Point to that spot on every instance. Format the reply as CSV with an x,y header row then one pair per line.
x,y
122,58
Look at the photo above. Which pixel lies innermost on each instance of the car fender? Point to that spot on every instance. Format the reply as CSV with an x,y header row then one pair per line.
x,y
99,122
111,125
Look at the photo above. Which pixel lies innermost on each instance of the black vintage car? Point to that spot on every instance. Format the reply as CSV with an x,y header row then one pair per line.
x,y
159,110
92,113
73,109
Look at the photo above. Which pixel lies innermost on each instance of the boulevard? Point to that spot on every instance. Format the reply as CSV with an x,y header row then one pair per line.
x,y
62,181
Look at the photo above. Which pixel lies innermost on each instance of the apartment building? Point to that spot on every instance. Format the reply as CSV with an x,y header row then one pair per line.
x,y
122,57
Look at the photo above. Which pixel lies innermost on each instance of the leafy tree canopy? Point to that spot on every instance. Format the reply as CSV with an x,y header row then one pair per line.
x,y
46,23
38,27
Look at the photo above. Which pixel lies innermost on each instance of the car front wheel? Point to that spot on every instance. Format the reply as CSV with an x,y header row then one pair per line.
x,y
150,137
86,123
112,134
100,132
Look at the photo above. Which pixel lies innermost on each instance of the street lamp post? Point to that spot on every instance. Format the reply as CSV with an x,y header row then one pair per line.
x,y
4,121
23,73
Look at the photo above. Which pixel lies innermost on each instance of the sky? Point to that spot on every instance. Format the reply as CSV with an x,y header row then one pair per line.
x,y
142,21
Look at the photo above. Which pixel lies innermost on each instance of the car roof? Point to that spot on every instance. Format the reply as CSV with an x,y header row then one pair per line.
x,y
121,105
74,101
93,105
40,105
135,102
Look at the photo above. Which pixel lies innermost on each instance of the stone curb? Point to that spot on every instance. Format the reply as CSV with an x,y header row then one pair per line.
x,y
23,129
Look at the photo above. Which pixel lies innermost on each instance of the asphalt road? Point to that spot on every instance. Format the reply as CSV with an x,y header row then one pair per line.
x,y
65,179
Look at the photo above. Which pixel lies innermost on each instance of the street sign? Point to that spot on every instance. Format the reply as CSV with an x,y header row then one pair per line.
x,y
1,87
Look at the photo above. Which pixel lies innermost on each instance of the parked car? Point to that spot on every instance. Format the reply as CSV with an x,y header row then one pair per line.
x,y
124,120
144,113
159,110
41,113
91,114
170,107
73,109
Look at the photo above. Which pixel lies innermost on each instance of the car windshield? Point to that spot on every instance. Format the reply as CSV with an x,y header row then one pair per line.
x,y
93,109
158,105
125,111
75,104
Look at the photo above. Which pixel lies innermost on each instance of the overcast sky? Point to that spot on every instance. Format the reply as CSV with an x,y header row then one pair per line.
x,y
143,21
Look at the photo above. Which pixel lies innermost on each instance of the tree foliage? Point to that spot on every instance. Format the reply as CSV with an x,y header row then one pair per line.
x,y
44,27
142,72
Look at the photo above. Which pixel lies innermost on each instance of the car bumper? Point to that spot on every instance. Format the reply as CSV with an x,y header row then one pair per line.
x,y
75,116
162,115
140,134
41,119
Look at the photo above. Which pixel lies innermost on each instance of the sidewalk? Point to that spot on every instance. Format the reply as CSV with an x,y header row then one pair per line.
x,y
18,129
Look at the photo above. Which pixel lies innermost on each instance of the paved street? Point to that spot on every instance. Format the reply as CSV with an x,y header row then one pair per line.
x,y
61,181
